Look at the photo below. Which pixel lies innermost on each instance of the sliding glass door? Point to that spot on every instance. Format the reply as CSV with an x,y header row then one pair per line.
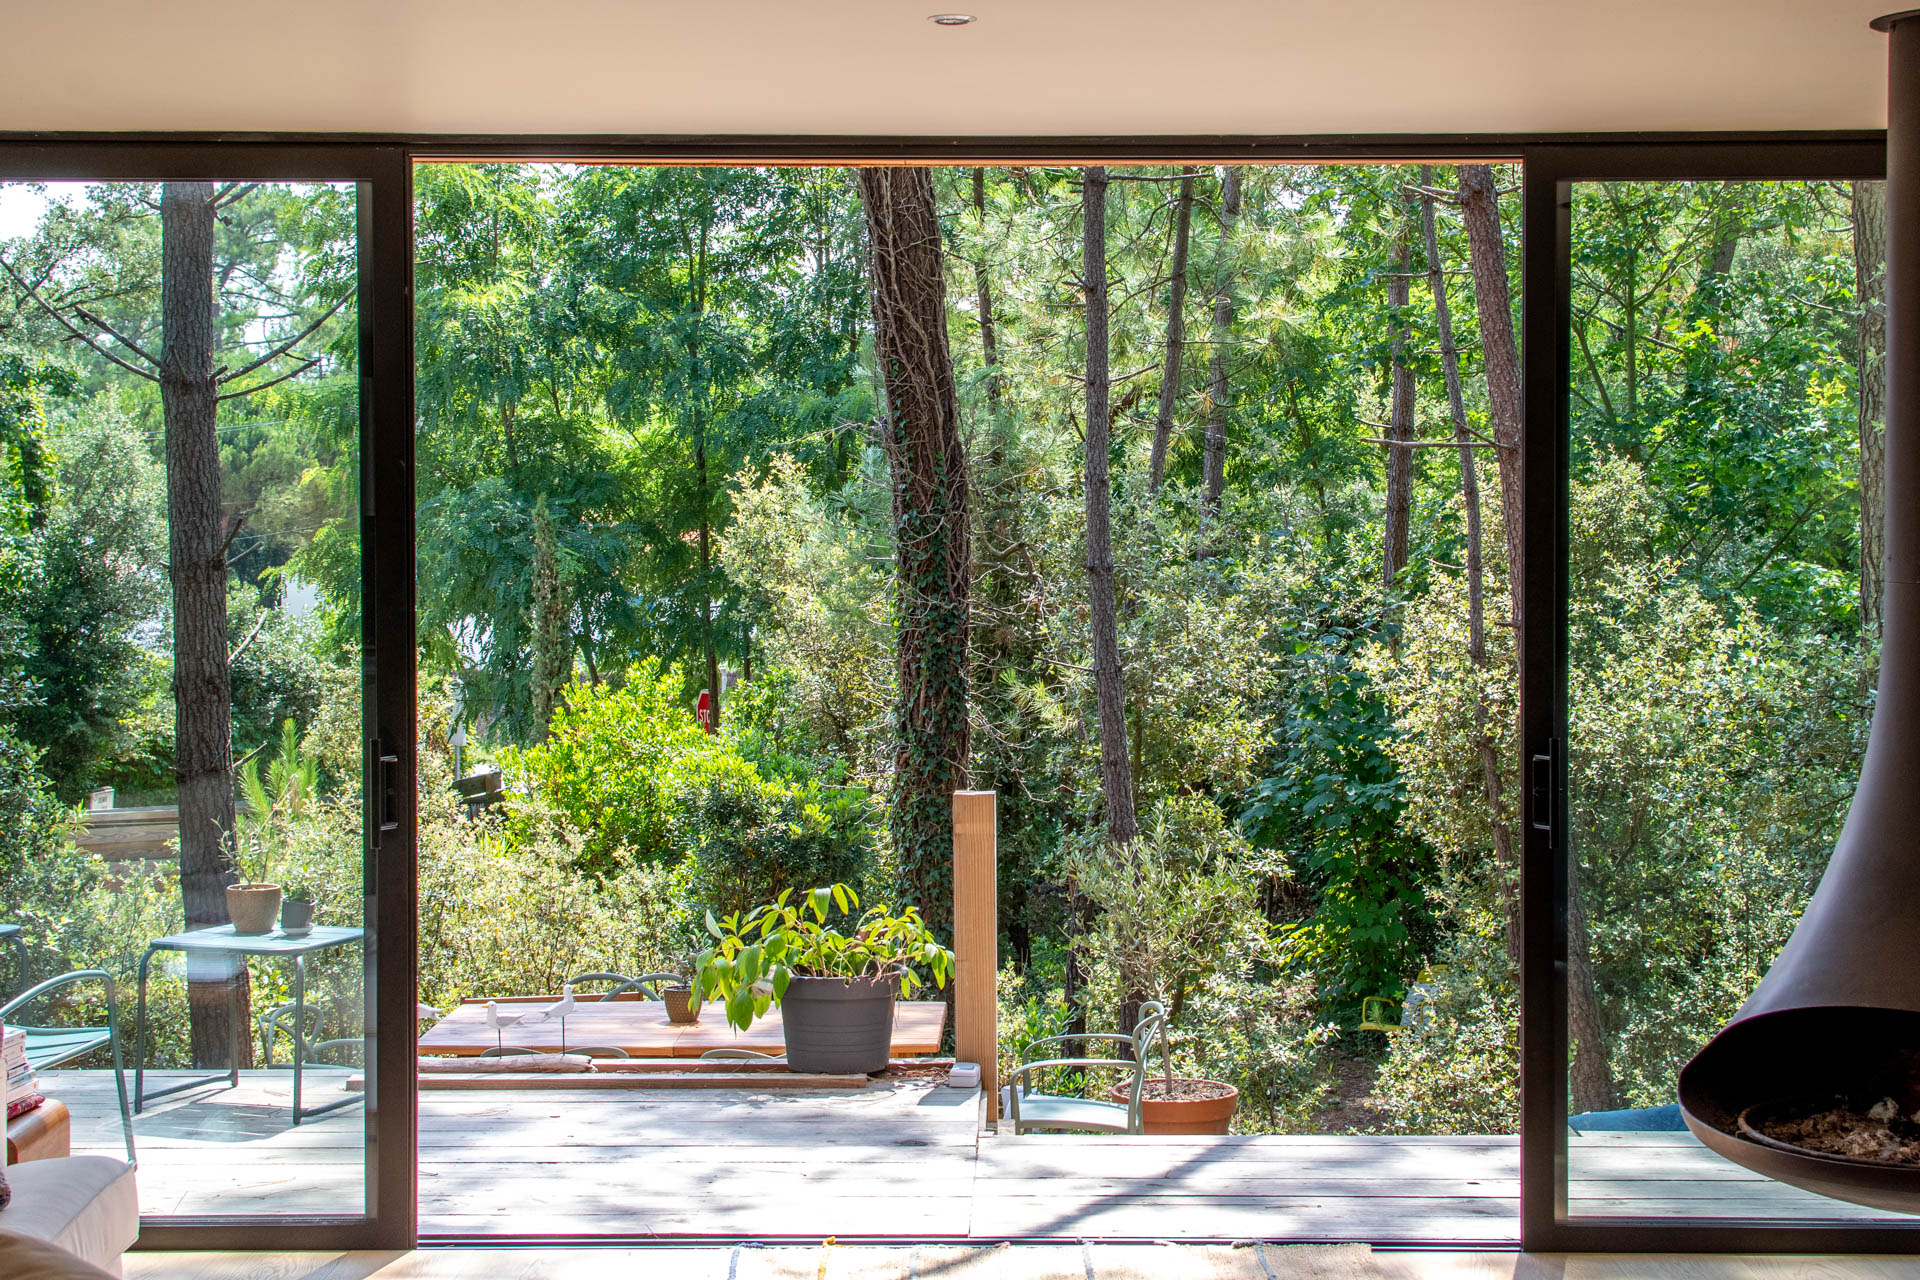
x,y
204,759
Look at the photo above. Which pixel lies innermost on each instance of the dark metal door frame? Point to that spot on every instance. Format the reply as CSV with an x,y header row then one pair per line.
x,y
383,165
384,304
1549,177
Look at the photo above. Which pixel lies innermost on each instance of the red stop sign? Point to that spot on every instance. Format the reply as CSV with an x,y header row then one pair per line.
x,y
703,710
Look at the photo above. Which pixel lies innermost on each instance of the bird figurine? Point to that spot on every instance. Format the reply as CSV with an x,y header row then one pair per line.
x,y
559,1009
498,1024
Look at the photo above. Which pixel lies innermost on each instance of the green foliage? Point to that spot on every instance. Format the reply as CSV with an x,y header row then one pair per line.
x,y
25,479
274,804
74,597
749,836
617,761
1457,1068
755,956
1335,806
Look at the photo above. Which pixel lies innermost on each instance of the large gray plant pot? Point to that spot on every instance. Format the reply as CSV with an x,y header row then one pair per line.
x,y
839,1026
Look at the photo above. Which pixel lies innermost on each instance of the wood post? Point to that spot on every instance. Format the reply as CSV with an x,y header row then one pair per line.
x,y
976,937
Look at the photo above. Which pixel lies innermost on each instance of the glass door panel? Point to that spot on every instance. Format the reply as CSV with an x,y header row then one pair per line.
x,y
182,844
1726,348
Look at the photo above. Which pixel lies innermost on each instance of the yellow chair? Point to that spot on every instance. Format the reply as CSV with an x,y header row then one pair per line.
x,y
1374,1015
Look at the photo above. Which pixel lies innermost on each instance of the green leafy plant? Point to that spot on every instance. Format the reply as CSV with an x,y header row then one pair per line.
x,y
755,956
274,804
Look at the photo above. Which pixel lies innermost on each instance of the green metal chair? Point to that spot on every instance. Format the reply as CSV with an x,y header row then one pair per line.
x,y
647,984
49,1047
1055,1113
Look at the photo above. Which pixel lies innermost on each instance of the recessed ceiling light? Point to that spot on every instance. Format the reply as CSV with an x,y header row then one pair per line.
x,y
950,19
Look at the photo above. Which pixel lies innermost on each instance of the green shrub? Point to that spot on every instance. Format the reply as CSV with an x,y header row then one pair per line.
x,y
1456,1069
614,764
751,837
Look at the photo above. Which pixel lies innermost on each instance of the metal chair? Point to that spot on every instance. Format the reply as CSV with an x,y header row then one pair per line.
x,y
1056,1113
279,1019
49,1047
647,984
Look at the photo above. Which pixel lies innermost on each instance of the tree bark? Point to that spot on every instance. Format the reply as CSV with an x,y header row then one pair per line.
x,y
1109,680
1506,862
712,655
1400,416
1480,210
1215,463
989,354
218,1007
1870,288
1176,331
933,558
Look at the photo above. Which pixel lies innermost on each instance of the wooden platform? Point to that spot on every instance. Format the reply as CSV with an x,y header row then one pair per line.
x,y
832,1261
641,1029
759,1165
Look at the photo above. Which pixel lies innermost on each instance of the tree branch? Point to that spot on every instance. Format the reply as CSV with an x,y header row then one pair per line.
x,y
289,344
68,325
294,372
122,338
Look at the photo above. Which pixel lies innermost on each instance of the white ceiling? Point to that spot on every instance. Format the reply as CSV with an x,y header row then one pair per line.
x,y
879,67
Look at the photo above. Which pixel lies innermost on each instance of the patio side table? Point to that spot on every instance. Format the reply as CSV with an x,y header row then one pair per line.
x,y
223,941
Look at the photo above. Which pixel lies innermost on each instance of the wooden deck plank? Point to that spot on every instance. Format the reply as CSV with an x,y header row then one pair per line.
x,y
903,1157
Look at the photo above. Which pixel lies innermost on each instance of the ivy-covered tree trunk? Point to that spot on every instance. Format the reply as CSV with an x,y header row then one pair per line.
x,y
217,1004
1870,291
1215,461
932,556
1176,331
1399,510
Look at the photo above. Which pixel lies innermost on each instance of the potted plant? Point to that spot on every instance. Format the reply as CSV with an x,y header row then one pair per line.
x,y
1177,911
296,907
262,833
682,1005
836,988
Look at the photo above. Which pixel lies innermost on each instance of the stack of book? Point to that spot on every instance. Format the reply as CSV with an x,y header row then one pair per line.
x,y
23,1086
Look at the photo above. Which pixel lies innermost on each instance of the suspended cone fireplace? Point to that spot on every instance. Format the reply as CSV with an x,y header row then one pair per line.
x,y
1816,1082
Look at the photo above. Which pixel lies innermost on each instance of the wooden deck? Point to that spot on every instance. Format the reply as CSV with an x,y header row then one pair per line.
x,y
742,1164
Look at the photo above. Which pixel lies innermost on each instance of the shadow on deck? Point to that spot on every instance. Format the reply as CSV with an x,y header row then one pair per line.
x,y
901,1160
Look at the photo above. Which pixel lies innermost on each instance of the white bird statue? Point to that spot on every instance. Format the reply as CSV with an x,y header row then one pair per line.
x,y
559,1009
498,1025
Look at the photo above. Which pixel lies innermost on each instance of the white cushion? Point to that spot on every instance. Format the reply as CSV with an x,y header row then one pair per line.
x,y
85,1204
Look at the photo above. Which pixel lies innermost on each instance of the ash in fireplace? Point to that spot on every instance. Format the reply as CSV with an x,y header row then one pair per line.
x,y
1879,1133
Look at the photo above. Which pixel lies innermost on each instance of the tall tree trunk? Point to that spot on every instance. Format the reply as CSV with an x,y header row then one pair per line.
x,y
1480,210
217,1003
1870,288
988,353
552,634
711,653
1176,331
1109,680
1400,416
1492,790
933,559
1215,462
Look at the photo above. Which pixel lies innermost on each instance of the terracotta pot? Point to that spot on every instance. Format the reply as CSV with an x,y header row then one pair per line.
x,y
1176,1116
253,907
680,1006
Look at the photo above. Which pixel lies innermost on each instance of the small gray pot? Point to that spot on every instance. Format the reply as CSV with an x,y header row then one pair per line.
x,y
296,917
839,1026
